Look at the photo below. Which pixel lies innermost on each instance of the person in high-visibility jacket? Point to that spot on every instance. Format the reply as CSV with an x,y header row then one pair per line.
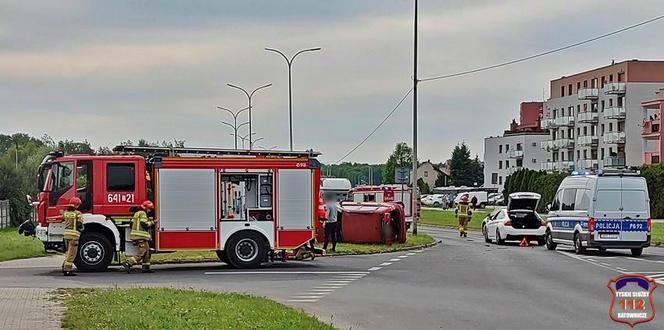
x,y
140,237
464,213
73,227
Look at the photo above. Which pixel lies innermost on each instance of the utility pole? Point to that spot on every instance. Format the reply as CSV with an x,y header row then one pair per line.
x,y
415,81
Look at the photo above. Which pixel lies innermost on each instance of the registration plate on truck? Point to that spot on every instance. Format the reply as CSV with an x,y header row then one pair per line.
x,y
608,235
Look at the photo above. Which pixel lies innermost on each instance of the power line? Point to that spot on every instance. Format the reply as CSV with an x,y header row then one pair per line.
x,y
523,59
376,128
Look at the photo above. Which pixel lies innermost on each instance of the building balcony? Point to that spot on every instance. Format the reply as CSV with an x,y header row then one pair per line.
x,y
651,129
514,169
517,154
614,161
615,88
587,164
651,157
547,123
563,121
587,117
615,113
587,141
546,145
563,144
588,94
557,166
614,138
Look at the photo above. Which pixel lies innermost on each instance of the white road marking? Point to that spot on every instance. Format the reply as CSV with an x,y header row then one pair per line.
x,y
621,269
604,263
302,300
394,259
344,282
632,258
403,256
590,262
656,275
375,268
320,290
410,254
418,251
307,297
385,264
286,272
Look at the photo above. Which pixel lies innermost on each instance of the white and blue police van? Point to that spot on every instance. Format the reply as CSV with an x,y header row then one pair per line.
x,y
607,210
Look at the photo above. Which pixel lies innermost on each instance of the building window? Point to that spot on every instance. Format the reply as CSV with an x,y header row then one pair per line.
x,y
507,147
610,127
494,178
519,163
500,149
500,164
578,131
603,81
602,129
585,84
621,76
593,130
519,146
602,105
578,86
426,174
620,101
602,153
500,180
507,164
585,131
534,144
578,108
534,161
585,154
610,78
610,103
562,90
569,89
571,111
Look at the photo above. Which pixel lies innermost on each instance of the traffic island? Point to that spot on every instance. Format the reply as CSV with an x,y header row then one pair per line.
x,y
412,242
163,308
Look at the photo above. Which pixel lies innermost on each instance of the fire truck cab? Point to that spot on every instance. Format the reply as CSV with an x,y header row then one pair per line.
x,y
248,206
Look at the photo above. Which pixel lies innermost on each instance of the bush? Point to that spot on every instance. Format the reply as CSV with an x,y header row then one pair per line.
x,y
654,175
545,184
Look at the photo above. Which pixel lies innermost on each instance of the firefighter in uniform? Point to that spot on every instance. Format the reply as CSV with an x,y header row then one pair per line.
x,y
73,227
464,213
140,237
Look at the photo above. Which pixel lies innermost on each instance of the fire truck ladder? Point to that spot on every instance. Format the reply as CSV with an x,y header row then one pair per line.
x,y
172,151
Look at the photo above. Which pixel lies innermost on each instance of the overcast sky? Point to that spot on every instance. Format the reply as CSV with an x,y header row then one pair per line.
x,y
108,71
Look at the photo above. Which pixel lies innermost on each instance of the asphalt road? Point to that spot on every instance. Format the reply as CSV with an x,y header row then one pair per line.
x,y
462,283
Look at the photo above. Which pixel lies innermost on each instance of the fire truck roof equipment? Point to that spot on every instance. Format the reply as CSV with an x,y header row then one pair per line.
x,y
173,151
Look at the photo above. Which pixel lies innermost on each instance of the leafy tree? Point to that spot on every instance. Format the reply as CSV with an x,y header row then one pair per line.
x,y
465,171
357,173
402,156
424,187
442,180
654,175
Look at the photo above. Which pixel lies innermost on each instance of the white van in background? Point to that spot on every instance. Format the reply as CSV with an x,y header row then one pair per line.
x,y
610,210
338,187
482,198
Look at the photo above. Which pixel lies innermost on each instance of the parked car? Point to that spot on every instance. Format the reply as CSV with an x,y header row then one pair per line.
x,y
496,199
610,210
516,221
436,200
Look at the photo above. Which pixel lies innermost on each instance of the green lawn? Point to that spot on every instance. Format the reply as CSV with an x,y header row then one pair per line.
x,y
15,246
447,219
657,234
177,309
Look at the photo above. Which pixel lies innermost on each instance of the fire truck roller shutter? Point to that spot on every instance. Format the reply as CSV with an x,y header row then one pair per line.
x,y
295,212
186,208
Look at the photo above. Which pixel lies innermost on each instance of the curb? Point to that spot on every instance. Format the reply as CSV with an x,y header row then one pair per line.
x,y
205,260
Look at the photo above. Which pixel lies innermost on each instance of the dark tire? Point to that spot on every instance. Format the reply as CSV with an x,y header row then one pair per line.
x,y
578,247
486,235
223,257
95,252
246,249
637,252
541,241
436,204
550,244
499,240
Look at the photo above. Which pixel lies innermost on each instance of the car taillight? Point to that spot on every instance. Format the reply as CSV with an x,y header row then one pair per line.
x,y
649,224
591,225
508,222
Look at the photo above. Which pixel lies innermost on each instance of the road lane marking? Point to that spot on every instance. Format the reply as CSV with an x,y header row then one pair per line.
x,y
344,282
402,257
604,263
385,264
410,254
375,269
287,272
306,297
394,259
621,269
302,300
320,290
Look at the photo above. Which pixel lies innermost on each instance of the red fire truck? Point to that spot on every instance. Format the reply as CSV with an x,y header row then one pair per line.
x,y
248,206
388,193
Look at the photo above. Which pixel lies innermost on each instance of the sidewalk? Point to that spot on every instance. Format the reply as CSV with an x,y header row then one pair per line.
x,y
52,261
28,308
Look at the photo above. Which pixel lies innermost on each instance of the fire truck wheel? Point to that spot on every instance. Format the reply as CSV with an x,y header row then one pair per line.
x,y
223,256
246,249
94,252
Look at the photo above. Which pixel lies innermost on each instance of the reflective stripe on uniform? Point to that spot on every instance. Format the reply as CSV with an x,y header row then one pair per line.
x,y
71,234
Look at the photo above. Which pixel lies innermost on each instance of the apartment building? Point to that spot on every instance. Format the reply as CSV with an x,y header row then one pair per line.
x,y
517,148
653,144
596,118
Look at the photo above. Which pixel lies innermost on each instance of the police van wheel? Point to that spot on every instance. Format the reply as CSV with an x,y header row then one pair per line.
x,y
94,252
578,247
550,244
637,252
246,249
486,235
223,256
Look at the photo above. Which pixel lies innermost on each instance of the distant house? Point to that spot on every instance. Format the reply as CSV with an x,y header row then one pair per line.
x,y
429,173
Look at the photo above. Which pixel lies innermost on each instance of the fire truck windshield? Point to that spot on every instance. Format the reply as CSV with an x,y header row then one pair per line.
x,y
44,168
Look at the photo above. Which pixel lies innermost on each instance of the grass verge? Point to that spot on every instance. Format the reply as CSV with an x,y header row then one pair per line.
x,y
446,218
162,308
657,234
351,248
15,246
342,249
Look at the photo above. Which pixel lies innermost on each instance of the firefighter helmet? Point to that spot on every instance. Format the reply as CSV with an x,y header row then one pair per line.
x,y
147,205
75,202
464,198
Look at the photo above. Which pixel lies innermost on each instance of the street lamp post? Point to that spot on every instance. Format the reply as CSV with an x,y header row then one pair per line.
x,y
234,126
245,138
249,96
290,85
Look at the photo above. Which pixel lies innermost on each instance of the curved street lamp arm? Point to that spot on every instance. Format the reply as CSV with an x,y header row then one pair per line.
x,y
228,110
279,52
238,87
245,123
303,51
229,125
259,88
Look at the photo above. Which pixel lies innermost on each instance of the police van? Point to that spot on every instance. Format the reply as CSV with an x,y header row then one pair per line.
x,y
607,210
